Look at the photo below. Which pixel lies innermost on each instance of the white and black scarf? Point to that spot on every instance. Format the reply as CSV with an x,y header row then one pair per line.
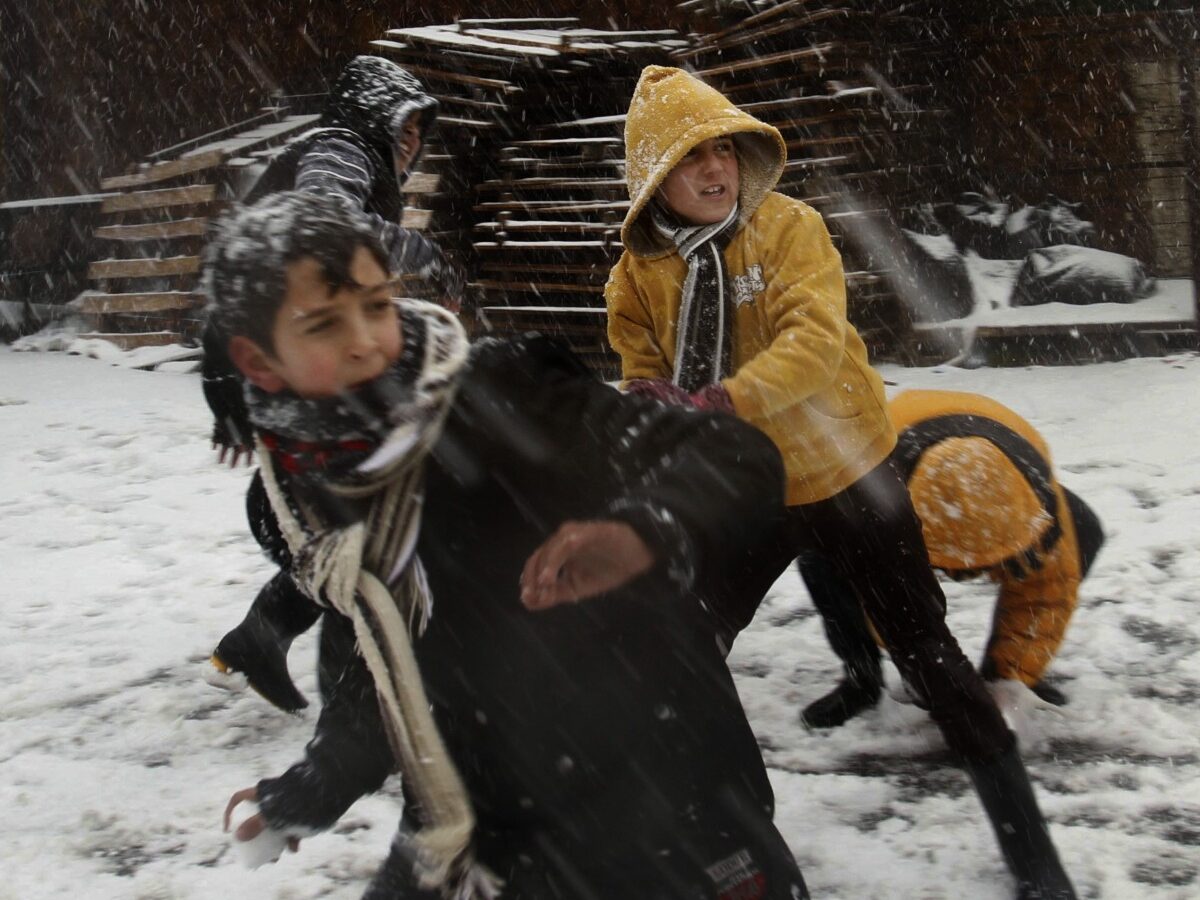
x,y
368,569
703,343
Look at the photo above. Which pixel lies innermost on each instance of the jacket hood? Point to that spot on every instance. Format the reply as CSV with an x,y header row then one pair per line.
x,y
670,113
372,98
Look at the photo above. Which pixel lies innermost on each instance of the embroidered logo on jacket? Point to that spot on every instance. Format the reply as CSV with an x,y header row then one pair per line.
x,y
746,286
737,877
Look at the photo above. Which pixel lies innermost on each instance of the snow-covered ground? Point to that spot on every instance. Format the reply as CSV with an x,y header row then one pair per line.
x,y
124,556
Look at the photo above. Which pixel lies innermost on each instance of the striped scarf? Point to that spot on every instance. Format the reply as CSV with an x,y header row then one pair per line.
x,y
369,572
703,343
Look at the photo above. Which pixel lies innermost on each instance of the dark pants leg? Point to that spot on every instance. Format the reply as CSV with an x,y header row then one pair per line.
x,y
870,536
850,638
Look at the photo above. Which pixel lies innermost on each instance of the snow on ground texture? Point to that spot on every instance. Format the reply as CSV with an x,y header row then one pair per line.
x,y
124,557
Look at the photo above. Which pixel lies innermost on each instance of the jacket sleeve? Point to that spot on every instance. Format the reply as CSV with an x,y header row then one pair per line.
x,y
631,329
806,305
349,754
1032,616
336,167
697,487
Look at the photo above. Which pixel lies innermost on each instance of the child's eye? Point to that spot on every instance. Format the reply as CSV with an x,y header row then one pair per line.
x,y
319,326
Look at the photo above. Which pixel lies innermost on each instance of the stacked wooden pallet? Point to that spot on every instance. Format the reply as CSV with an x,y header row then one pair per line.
x,y
145,293
532,171
849,85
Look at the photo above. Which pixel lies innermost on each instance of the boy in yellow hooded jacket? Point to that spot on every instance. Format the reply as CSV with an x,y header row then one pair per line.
x,y
731,297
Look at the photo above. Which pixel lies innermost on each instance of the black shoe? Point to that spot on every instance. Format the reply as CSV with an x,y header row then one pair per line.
x,y
1050,694
258,655
258,647
844,702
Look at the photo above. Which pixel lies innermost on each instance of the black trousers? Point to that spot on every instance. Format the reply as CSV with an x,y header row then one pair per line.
x,y
869,538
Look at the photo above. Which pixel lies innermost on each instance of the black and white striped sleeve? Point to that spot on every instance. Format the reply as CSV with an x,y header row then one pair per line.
x,y
336,167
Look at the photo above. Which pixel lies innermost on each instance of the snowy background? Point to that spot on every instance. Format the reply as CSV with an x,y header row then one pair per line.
x,y
124,556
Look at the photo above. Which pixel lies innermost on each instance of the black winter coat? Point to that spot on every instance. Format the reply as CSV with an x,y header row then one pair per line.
x,y
603,743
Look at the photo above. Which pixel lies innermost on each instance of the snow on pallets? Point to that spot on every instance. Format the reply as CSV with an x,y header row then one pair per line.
x,y
161,215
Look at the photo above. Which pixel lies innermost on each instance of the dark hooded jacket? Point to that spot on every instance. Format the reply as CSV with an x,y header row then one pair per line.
x,y
602,743
349,155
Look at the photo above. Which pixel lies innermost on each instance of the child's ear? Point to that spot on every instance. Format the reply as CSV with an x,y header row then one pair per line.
x,y
253,362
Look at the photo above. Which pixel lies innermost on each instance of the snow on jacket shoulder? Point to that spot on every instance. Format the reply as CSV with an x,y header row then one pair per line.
x,y
800,370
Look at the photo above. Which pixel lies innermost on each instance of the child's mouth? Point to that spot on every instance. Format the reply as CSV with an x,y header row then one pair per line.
x,y
715,191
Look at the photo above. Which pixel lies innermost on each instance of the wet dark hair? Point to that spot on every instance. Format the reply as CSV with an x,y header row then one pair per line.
x,y
246,260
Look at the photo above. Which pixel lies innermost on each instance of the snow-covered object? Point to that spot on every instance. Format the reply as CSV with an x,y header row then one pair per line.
x,y
1046,225
1080,275
265,847
1021,709
977,223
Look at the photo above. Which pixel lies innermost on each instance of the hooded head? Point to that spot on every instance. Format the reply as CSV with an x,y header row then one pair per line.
x,y
374,97
671,112
975,507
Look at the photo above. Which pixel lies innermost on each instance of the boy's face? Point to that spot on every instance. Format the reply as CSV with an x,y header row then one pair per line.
x,y
406,145
703,186
326,343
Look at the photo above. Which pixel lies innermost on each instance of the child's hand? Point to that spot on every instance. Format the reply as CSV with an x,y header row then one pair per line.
x,y
237,454
253,825
660,389
583,559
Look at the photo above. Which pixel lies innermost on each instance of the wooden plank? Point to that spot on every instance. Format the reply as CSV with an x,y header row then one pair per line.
x,y
49,202
556,268
165,170
453,77
144,268
798,24
182,196
133,341
554,206
830,55
516,23
550,227
422,183
460,122
193,227
241,143
437,37
416,219
161,301
542,184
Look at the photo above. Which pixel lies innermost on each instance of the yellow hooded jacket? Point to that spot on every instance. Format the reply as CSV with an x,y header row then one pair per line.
x,y
800,370
1032,611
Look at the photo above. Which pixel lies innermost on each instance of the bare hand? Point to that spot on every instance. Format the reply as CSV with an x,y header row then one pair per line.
x,y
235,457
581,560
255,824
